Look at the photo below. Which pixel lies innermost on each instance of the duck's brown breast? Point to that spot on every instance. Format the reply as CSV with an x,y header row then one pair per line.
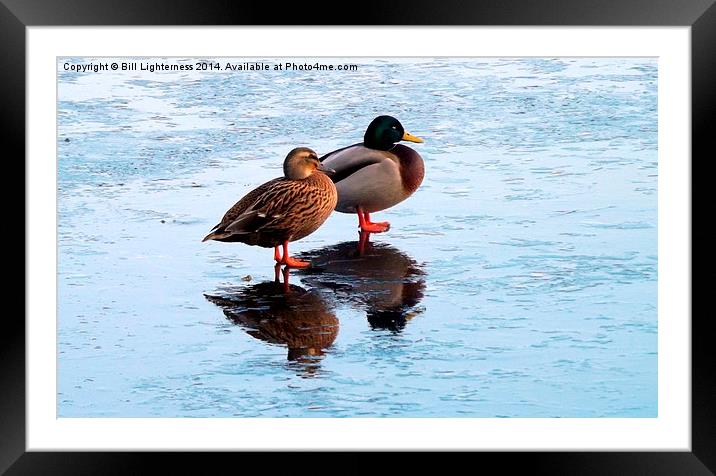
x,y
315,205
412,168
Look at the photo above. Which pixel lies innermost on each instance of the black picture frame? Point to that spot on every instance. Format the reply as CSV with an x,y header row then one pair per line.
x,y
700,15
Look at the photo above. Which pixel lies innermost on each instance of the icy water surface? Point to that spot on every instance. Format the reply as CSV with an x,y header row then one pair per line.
x,y
519,281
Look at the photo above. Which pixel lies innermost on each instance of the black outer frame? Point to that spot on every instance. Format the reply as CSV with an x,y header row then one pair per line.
x,y
15,15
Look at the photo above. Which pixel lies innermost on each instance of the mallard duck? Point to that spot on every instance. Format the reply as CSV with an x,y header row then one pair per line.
x,y
282,210
377,173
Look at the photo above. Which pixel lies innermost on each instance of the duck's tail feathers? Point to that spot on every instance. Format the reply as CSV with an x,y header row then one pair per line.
x,y
215,236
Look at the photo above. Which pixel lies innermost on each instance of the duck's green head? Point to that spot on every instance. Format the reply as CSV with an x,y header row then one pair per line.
x,y
385,131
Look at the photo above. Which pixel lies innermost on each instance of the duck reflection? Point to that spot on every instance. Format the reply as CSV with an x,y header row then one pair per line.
x,y
375,277
282,313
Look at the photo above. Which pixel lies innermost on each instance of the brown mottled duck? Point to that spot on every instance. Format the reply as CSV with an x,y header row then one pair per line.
x,y
282,210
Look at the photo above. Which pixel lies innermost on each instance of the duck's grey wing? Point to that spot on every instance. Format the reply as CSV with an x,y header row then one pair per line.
x,y
351,159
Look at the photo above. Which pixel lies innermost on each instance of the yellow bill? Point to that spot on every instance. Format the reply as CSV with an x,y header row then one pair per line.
x,y
411,138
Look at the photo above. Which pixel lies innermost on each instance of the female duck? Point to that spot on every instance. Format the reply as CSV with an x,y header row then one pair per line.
x,y
282,210
377,173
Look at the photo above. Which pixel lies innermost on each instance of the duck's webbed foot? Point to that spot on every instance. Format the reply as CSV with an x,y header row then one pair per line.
x,y
295,263
370,227
287,260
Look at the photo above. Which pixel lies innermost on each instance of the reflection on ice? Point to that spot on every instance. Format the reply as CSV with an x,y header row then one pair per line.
x,y
374,277
287,315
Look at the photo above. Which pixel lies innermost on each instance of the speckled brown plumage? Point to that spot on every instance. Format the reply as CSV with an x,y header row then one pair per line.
x,y
280,210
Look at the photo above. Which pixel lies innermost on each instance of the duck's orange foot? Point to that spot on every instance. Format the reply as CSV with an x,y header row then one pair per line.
x,y
368,226
379,227
287,260
295,263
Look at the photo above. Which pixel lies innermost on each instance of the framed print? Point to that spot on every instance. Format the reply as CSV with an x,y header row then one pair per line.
x,y
521,276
